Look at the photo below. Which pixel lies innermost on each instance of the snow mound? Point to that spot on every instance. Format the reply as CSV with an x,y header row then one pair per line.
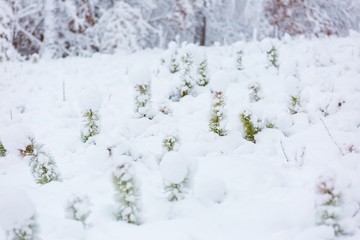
x,y
212,189
140,75
174,167
220,81
90,98
15,208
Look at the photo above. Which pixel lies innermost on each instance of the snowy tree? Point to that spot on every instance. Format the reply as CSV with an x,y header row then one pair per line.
x,y
186,74
254,92
90,125
126,193
43,166
251,127
27,230
141,76
176,176
3,150
7,50
218,85
203,78
171,142
78,208
328,205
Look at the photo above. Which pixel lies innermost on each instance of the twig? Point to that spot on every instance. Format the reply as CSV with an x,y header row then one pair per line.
x,y
331,137
63,91
283,150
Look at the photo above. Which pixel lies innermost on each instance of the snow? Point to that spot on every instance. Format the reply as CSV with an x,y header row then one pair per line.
x,y
220,81
15,208
238,190
174,167
140,75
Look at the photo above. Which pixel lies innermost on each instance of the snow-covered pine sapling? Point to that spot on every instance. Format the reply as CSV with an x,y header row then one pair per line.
x,y
28,230
78,208
203,73
43,166
141,76
295,105
90,125
273,57
127,193
239,60
171,143
176,176
254,92
249,127
29,149
186,77
3,150
218,85
174,64
328,205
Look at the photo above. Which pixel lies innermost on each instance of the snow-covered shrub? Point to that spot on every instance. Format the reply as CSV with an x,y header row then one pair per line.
x,y
176,175
239,60
295,104
127,193
18,216
250,128
43,166
142,80
78,208
254,92
3,150
186,77
90,125
203,79
172,61
29,148
328,205
171,143
218,85
27,230
272,56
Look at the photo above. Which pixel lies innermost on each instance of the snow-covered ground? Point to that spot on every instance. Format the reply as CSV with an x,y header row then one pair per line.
x,y
236,189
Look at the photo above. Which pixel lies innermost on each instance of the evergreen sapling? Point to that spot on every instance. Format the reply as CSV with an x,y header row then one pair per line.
x,y
254,92
29,230
127,193
203,73
78,208
295,105
3,150
90,125
217,116
328,205
186,77
171,143
273,57
249,127
239,60
142,100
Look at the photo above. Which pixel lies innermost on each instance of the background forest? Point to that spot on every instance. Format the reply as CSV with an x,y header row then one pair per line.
x,y
60,28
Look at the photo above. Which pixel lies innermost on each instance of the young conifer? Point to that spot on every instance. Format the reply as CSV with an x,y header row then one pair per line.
x,y
217,114
3,150
203,73
239,60
254,92
90,125
142,100
78,208
177,191
171,143
295,105
273,57
29,230
328,205
249,127
187,80
127,193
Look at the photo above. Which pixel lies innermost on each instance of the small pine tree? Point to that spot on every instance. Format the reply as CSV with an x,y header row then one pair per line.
x,y
250,129
78,208
3,150
328,205
239,60
254,92
217,116
186,78
29,149
177,191
43,167
142,100
203,73
273,57
295,105
174,65
28,230
127,195
170,143
90,125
